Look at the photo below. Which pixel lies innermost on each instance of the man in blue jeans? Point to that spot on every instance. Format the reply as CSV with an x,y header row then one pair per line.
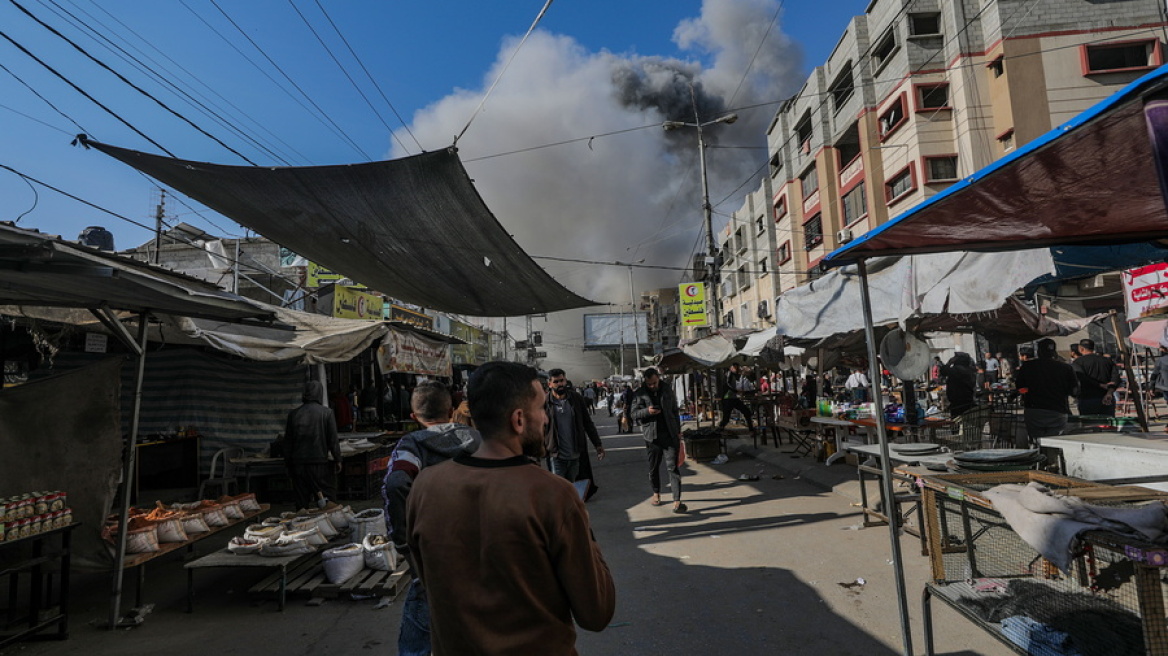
x,y
569,427
439,440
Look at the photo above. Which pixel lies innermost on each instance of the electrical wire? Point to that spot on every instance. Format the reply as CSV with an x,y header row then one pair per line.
x,y
369,75
133,86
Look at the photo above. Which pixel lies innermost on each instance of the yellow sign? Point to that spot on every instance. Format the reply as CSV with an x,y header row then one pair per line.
x,y
318,275
351,304
692,296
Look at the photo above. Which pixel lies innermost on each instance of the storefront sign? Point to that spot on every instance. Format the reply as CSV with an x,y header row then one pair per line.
x,y
406,352
475,351
352,304
692,296
1145,290
412,317
318,275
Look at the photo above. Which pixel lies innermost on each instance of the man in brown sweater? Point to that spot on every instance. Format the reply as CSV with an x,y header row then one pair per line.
x,y
504,547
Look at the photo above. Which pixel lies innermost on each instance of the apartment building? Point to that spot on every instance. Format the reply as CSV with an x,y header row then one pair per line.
x,y
916,95
747,249
664,325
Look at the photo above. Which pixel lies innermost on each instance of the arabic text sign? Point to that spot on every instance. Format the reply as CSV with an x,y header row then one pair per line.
x,y
318,275
352,304
404,351
1145,290
692,296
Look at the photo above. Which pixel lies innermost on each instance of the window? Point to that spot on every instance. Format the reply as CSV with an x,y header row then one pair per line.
x,y
900,185
855,204
1120,56
729,319
803,133
847,152
1006,139
941,169
997,66
776,165
762,267
744,309
933,96
780,208
783,254
743,277
842,87
739,240
809,182
813,232
885,48
924,24
892,118
760,224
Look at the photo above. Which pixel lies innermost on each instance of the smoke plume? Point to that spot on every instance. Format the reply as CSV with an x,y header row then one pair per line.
x,y
630,196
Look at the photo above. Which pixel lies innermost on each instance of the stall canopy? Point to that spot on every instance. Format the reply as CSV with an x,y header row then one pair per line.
x,y
414,228
1095,180
43,270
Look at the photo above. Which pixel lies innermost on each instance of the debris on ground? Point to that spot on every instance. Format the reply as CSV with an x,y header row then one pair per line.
x,y
778,477
617,625
384,602
720,460
855,587
853,527
748,477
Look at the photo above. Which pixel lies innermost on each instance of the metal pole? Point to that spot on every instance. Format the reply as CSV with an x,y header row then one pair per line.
x,y
636,336
1134,392
128,462
158,214
708,212
622,339
891,509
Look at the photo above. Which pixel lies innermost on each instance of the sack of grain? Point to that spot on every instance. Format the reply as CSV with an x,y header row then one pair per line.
x,y
343,563
379,553
368,522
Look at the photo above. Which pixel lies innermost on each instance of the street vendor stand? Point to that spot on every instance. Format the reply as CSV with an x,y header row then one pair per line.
x,y
1096,180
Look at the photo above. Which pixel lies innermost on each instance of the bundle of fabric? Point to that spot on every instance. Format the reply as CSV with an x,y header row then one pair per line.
x,y
1052,524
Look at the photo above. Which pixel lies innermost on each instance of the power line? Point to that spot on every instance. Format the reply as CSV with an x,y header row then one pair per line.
x,y
84,93
128,82
148,71
369,75
324,114
345,72
141,39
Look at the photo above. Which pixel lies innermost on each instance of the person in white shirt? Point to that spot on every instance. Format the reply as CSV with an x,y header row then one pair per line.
x,y
857,385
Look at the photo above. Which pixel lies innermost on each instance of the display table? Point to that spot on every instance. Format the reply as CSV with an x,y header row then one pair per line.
x,y
832,428
47,602
1110,456
225,558
870,467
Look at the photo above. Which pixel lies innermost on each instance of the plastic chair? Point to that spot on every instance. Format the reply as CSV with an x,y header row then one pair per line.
x,y
228,476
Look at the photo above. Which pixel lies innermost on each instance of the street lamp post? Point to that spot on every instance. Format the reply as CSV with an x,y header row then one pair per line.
x,y
711,256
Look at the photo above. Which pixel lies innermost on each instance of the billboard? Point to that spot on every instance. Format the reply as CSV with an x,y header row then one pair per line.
x,y
608,331
352,304
1145,290
692,297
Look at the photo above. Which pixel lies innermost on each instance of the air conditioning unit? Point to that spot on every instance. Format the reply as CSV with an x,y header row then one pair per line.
x,y
764,309
844,236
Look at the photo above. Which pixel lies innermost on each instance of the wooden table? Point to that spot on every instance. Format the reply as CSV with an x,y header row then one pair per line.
x,y
42,610
225,558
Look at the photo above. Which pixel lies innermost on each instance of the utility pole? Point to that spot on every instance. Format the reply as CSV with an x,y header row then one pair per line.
x,y
636,335
158,215
707,209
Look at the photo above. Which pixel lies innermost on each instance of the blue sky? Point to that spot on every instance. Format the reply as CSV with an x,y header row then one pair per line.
x,y
431,63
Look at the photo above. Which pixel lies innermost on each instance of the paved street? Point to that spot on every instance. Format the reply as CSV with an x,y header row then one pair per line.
x,y
755,568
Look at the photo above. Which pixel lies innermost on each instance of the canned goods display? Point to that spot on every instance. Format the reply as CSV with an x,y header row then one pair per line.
x,y
31,513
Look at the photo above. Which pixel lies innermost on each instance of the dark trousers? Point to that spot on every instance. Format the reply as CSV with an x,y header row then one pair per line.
x,y
1096,407
729,406
659,451
311,478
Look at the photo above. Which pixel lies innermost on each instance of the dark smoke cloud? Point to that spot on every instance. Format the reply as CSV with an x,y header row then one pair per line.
x,y
632,196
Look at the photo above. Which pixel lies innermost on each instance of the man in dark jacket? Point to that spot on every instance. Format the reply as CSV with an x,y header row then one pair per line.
x,y
1045,385
310,437
439,440
734,384
655,409
960,383
569,425
1098,379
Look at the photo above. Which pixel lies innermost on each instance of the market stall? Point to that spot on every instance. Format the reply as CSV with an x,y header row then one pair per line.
x,y
1097,180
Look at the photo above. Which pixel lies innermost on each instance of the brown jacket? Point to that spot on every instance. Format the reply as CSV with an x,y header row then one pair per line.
x,y
507,556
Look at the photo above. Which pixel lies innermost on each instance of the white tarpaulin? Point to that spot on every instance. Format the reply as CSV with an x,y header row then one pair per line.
x,y
902,288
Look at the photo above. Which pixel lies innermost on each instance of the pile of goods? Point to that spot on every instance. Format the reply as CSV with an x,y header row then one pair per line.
x,y
178,522
33,513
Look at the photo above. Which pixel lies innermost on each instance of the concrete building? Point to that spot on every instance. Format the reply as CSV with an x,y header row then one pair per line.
x,y
661,308
748,248
918,94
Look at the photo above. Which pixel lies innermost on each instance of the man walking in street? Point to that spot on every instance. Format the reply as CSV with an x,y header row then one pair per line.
x,y
590,398
735,384
1098,379
439,440
1045,385
505,548
310,437
655,409
569,426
